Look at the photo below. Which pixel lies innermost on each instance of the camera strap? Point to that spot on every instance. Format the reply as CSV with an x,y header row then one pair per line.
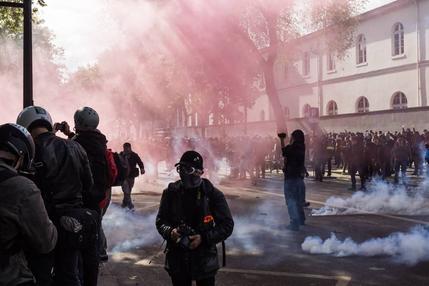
x,y
223,254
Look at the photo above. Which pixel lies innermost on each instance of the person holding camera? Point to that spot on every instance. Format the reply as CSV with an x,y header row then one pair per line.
x,y
193,217
294,170
63,174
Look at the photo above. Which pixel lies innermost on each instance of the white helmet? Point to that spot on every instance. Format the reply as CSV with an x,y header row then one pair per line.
x,y
33,116
86,118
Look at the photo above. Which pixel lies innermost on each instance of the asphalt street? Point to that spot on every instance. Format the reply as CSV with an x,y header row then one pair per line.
x,y
261,250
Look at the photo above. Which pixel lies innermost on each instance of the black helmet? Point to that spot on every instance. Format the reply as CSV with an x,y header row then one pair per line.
x,y
86,118
17,140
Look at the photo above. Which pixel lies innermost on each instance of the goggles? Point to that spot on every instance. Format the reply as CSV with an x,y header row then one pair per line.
x,y
187,170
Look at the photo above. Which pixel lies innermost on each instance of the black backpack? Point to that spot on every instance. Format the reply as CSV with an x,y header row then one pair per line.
x,y
123,168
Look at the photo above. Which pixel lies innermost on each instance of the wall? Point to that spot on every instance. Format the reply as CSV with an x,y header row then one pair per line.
x,y
380,121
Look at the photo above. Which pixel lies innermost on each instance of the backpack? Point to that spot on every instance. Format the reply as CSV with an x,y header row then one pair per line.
x,y
111,167
122,167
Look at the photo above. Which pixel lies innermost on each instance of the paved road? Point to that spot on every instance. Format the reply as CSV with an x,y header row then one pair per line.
x,y
261,251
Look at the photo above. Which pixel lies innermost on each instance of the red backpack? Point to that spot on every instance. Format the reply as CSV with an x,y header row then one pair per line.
x,y
111,166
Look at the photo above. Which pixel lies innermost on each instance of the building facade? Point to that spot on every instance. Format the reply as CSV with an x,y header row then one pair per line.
x,y
387,68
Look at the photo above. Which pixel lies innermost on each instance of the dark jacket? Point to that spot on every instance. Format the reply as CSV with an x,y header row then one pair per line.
x,y
94,143
24,226
203,261
133,160
294,155
63,173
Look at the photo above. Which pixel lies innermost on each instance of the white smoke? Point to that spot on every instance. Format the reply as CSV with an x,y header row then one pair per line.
x,y
126,230
408,248
380,198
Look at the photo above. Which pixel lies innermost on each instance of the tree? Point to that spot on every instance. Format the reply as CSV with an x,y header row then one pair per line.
x,y
12,19
225,32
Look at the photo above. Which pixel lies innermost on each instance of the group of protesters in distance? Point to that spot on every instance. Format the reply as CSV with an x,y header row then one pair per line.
x,y
371,154
367,154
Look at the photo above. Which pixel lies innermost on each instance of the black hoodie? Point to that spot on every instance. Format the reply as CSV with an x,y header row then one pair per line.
x,y
294,155
94,143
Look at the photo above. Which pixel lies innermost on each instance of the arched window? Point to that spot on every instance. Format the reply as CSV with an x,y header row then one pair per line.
x,y
398,40
362,105
286,112
361,49
306,111
399,101
332,108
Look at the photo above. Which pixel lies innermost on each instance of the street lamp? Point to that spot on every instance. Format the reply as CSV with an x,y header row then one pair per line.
x,y
28,48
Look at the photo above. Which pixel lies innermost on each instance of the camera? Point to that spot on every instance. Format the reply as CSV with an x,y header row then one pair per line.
x,y
185,231
60,126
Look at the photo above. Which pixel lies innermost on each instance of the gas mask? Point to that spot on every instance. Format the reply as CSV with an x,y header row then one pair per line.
x,y
190,177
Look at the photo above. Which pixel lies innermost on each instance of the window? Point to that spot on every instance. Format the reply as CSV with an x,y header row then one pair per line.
x,y
306,64
286,112
262,115
361,49
398,40
306,111
362,105
331,61
332,108
399,101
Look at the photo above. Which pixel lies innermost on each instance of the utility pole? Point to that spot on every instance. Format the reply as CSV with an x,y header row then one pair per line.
x,y
28,48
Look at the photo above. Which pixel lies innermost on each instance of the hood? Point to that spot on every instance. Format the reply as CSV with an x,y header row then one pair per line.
x,y
92,140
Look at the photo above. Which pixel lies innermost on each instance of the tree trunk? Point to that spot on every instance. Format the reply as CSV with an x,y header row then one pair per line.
x,y
273,96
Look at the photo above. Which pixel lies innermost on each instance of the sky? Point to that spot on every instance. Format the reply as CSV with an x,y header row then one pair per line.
x,y
82,43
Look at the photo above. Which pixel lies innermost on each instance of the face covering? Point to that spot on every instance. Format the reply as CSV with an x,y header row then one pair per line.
x,y
191,181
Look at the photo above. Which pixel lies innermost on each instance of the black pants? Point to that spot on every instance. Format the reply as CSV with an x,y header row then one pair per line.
x,y
362,174
187,281
127,188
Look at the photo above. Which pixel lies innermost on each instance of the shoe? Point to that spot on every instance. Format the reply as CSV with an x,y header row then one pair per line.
x,y
292,227
104,257
352,189
306,204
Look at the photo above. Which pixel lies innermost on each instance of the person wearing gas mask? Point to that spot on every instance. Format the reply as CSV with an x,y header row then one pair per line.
x,y
24,223
193,217
63,174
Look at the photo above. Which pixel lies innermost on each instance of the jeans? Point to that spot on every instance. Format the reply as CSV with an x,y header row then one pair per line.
x,y
294,190
127,188
187,281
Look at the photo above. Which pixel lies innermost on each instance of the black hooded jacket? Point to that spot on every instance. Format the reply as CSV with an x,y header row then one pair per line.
x,y
94,143
63,173
215,225
294,155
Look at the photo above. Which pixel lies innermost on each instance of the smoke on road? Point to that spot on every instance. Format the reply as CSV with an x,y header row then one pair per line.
x,y
408,248
126,230
381,197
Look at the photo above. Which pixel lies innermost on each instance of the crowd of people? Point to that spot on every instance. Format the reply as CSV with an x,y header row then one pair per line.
x,y
366,154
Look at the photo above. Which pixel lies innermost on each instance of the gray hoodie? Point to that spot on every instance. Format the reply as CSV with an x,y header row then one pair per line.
x,y
24,226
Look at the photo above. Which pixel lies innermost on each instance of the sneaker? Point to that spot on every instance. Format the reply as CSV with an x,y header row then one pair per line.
x,y
104,257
